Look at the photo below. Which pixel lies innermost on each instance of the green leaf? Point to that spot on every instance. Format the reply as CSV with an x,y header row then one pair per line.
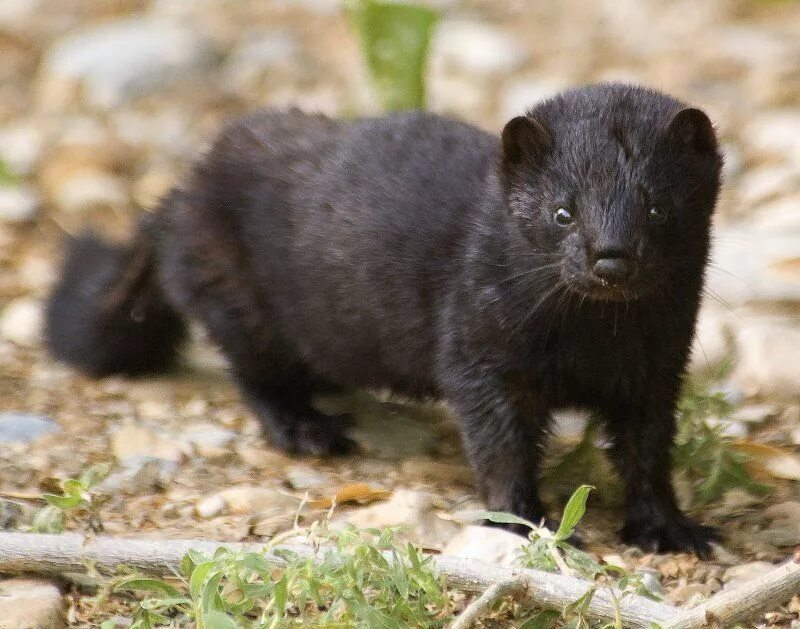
x,y
543,620
142,584
281,594
581,561
198,579
50,519
395,38
94,475
573,512
209,595
218,620
580,606
63,502
498,517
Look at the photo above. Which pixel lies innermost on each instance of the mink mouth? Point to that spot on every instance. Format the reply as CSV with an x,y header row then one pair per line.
x,y
598,290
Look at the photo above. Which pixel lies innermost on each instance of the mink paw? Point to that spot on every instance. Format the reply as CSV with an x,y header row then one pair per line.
x,y
676,534
314,435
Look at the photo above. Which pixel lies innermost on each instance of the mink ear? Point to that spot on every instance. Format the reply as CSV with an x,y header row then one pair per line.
x,y
525,138
691,128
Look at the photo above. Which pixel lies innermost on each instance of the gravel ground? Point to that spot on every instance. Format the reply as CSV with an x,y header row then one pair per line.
x,y
104,102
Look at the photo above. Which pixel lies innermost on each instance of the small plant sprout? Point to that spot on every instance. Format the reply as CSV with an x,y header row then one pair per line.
x,y
78,502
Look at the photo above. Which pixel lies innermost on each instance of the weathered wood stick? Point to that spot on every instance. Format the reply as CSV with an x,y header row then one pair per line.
x,y
482,606
72,553
745,602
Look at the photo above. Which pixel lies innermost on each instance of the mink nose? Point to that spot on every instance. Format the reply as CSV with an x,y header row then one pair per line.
x,y
613,267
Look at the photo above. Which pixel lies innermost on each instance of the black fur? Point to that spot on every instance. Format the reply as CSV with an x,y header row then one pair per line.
x,y
421,254
107,314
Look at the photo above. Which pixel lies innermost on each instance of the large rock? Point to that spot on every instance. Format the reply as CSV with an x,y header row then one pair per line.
x,y
768,350
521,95
712,346
21,146
19,427
27,603
776,133
261,52
120,60
21,322
412,510
487,544
476,48
759,262
392,437
247,500
18,204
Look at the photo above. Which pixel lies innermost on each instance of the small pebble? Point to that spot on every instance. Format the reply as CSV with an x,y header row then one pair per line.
x,y
23,427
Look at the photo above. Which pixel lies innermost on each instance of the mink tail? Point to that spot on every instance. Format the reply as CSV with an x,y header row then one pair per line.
x,y
108,313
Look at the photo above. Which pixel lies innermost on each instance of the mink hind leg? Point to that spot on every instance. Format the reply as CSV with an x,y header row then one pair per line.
x,y
208,277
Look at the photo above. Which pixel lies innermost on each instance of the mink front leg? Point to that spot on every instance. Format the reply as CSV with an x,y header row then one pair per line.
x,y
642,438
503,441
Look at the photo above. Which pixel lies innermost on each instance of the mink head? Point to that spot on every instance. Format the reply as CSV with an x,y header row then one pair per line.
x,y
613,187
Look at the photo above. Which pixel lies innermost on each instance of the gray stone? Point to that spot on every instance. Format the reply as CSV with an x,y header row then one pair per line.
x,y
779,216
739,575
768,350
208,439
755,263
521,95
247,500
754,413
734,162
776,132
21,145
414,510
393,437
476,48
262,52
712,342
139,475
18,204
22,427
780,535
21,322
767,182
90,189
485,543
28,603
122,59
304,477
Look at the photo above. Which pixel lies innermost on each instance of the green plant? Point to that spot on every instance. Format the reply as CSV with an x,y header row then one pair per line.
x,y
364,579
703,452
395,38
78,502
550,551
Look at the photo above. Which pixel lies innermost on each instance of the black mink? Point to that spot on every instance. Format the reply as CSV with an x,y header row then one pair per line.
x,y
560,264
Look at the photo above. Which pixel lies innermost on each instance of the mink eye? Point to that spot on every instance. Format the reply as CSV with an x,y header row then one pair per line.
x,y
563,217
657,215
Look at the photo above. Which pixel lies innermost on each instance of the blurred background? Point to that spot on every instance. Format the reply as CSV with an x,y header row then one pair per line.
x,y
104,103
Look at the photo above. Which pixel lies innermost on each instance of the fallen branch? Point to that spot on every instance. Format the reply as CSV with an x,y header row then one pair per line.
x,y
72,553
738,605
482,606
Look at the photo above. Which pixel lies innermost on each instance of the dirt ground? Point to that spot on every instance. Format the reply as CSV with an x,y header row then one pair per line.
x,y
85,145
